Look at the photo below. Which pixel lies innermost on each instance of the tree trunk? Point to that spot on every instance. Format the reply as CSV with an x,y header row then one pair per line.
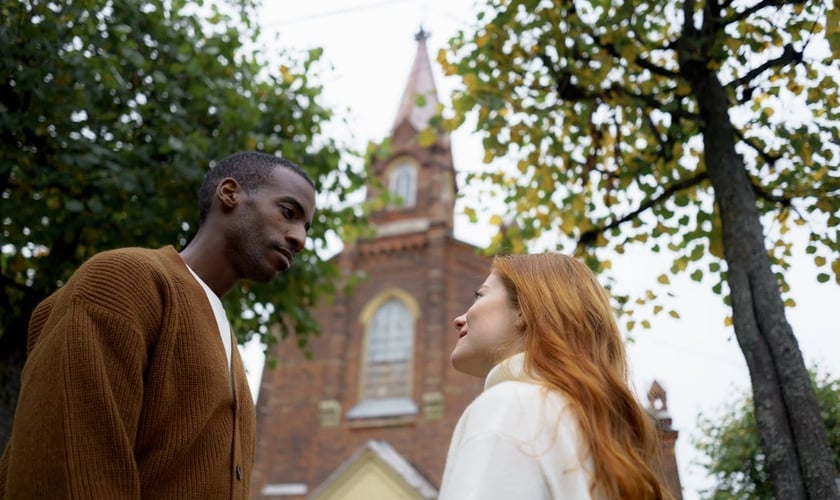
x,y
792,434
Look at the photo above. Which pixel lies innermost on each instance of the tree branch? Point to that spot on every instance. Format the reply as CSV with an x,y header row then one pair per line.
x,y
589,237
767,157
761,193
639,60
789,55
563,81
740,16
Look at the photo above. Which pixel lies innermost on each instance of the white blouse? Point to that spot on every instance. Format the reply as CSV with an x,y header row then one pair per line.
x,y
516,440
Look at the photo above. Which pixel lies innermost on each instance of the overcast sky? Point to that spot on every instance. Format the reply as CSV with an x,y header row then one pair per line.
x,y
371,46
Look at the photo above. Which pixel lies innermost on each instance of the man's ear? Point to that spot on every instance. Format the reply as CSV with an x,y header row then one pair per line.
x,y
228,192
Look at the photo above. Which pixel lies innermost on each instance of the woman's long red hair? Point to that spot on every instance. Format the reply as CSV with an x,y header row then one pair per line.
x,y
572,341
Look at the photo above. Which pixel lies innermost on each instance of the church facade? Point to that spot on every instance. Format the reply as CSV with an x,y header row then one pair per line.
x,y
370,414
379,398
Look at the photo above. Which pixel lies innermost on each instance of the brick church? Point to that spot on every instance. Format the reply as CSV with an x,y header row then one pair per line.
x,y
370,415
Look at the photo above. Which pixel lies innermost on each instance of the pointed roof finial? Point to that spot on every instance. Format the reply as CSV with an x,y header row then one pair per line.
x,y
422,35
419,101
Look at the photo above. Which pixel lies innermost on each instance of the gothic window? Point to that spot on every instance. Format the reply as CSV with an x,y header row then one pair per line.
x,y
403,183
387,370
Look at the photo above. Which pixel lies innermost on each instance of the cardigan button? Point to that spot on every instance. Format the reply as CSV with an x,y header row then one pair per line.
x,y
238,472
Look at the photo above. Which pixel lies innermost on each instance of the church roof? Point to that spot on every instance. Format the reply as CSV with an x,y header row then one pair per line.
x,y
365,474
419,101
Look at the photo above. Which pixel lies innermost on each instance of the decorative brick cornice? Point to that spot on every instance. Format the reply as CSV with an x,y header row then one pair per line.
x,y
391,245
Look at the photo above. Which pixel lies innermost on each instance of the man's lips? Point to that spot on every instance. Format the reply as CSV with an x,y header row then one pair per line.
x,y
287,254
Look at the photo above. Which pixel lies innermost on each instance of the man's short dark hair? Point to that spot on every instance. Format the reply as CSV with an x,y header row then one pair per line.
x,y
251,169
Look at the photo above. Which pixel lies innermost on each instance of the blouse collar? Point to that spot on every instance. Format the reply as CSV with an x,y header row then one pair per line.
x,y
512,368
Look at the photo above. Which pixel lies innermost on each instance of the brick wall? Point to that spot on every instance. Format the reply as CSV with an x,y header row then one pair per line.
x,y
440,273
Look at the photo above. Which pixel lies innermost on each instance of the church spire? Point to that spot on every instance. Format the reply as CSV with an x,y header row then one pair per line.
x,y
419,101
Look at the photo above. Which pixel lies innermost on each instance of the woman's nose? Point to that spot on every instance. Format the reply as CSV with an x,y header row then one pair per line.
x,y
460,321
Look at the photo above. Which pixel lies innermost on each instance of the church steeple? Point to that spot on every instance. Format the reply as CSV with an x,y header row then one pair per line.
x,y
417,169
419,100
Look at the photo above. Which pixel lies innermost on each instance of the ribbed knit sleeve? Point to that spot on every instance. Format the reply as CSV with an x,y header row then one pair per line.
x,y
127,391
81,392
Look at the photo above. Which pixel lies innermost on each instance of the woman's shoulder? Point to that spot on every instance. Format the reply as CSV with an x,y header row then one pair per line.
x,y
524,391
515,403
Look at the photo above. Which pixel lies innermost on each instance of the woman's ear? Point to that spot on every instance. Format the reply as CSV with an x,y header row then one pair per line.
x,y
519,322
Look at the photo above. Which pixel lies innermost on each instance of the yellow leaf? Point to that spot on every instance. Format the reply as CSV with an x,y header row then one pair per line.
x,y
470,212
727,321
470,80
835,266
567,224
663,278
629,52
426,137
288,77
496,220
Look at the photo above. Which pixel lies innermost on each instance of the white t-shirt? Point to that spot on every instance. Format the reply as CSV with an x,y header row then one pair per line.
x,y
221,316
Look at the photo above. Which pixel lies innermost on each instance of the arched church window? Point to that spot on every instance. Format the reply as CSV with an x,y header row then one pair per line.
x,y
386,371
390,339
403,183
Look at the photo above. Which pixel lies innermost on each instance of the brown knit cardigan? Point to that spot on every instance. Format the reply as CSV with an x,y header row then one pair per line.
x,y
126,392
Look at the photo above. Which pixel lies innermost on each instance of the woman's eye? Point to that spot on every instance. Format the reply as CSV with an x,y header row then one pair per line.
x,y
476,295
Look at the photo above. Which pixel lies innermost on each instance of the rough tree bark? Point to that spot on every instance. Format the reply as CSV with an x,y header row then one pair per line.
x,y
786,409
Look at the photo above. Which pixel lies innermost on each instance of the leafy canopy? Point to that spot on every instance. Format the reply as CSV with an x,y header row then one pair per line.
x,y
110,113
592,133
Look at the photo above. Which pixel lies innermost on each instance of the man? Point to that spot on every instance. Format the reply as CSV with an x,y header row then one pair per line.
x,y
133,387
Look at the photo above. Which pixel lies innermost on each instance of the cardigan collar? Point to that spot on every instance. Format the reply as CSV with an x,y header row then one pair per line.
x,y
512,368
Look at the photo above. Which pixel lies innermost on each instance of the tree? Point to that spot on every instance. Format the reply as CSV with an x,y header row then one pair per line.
x,y
733,453
111,112
658,124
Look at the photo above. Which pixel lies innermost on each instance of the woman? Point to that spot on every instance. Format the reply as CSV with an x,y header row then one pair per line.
x,y
557,418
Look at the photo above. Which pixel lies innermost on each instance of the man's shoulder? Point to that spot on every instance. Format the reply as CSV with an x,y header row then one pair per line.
x,y
132,259
128,270
133,253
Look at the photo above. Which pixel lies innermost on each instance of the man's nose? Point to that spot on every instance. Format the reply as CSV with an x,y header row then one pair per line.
x,y
297,237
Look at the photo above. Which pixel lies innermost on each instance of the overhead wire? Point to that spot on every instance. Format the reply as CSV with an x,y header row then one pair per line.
x,y
347,10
